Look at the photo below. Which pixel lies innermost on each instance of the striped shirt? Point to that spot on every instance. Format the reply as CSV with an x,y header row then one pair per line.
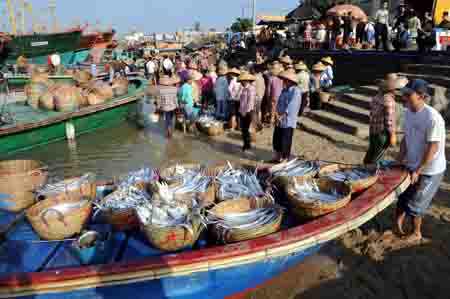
x,y
248,99
382,114
167,99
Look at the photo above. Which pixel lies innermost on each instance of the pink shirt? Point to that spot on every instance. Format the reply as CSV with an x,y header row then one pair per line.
x,y
248,99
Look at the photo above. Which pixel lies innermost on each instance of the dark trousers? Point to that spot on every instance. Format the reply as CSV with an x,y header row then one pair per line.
x,y
246,121
282,141
381,32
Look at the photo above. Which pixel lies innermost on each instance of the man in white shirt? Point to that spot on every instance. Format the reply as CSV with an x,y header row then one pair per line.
x,y
150,67
381,27
423,152
167,66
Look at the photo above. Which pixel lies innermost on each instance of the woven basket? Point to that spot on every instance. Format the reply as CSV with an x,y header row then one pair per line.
x,y
172,238
282,182
358,185
19,179
56,226
241,206
120,220
215,131
308,210
87,189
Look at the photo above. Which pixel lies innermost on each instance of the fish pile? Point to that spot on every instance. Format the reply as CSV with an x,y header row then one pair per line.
x,y
310,192
294,168
245,220
207,121
237,183
65,186
129,197
190,180
354,174
146,175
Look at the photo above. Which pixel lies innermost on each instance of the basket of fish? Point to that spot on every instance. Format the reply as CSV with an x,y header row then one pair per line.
x,y
74,188
210,126
171,224
119,207
191,180
316,197
244,219
294,171
19,179
360,178
59,218
237,183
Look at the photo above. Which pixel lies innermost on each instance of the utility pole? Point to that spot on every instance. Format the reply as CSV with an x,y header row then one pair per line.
x,y
52,11
254,16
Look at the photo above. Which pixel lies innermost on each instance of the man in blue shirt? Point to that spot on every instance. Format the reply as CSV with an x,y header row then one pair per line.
x,y
288,107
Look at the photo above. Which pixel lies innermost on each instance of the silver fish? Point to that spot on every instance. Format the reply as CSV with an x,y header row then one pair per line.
x,y
350,175
310,192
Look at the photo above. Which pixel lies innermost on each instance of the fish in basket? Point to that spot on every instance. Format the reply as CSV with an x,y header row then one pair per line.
x,y
73,188
18,181
294,171
210,126
59,218
118,208
360,178
317,197
191,179
171,224
234,183
244,219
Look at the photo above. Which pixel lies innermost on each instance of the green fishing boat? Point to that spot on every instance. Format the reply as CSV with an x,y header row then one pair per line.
x,y
36,47
33,128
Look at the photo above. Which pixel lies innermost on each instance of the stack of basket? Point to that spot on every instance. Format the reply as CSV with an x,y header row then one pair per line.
x,y
357,185
19,179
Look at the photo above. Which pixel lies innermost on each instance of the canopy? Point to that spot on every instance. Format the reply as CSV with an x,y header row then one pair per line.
x,y
268,20
304,12
340,10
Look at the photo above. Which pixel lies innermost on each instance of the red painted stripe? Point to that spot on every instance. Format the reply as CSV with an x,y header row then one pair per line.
x,y
388,182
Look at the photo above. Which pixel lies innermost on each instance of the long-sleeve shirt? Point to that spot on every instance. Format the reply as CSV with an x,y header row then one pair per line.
x,y
289,105
235,90
303,81
207,85
247,99
382,114
221,89
324,82
167,100
260,86
185,95
275,89
329,73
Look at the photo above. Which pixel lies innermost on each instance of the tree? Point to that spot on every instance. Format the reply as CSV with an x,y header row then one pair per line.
x,y
242,25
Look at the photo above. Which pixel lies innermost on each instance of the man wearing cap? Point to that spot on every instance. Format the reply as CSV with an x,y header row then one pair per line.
x,y
222,94
167,101
319,83
328,62
247,104
383,118
423,152
288,107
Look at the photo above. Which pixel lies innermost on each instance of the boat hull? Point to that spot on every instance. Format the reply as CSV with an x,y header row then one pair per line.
x,y
229,282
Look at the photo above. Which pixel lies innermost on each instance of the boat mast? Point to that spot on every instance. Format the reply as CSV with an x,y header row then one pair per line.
x,y
52,10
12,18
22,6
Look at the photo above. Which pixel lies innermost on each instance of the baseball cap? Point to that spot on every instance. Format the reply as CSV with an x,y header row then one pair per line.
x,y
418,85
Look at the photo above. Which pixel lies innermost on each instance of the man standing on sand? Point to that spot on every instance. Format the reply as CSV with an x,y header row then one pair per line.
x,y
381,27
423,152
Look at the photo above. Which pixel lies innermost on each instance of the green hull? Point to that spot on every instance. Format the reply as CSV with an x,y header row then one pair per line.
x,y
37,47
21,81
47,127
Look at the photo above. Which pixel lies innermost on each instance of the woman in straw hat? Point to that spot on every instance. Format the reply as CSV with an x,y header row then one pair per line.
x,y
246,107
329,63
234,87
168,101
186,101
288,107
383,118
222,94
319,83
273,91
304,78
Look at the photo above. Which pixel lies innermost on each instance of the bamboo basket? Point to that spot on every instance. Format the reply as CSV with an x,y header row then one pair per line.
x,y
282,182
123,220
358,185
241,206
57,226
87,189
19,179
172,238
308,210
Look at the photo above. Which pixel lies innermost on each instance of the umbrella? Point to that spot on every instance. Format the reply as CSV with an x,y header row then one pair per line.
x,y
339,10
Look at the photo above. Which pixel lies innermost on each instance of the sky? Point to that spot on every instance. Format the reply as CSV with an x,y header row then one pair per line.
x,y
153,16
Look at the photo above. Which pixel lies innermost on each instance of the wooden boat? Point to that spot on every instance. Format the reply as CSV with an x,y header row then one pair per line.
x,y
34,127
22,80
48,271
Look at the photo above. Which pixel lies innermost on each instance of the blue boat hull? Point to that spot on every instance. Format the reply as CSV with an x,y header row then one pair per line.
x,y
214,284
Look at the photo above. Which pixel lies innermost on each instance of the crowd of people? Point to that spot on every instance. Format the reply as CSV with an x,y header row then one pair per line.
x,y
385,31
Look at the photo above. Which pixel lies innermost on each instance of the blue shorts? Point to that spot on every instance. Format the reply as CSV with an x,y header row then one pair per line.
x,y
417,198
